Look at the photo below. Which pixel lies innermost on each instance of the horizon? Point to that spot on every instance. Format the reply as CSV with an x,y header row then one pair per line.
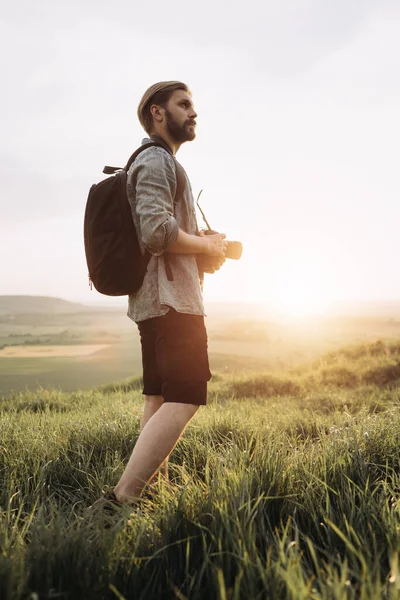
x,y
364,308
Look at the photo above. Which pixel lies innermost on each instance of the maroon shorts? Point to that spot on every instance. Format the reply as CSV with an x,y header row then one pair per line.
x,y
175,357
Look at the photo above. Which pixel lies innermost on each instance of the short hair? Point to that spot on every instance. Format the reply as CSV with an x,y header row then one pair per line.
x,y
159,93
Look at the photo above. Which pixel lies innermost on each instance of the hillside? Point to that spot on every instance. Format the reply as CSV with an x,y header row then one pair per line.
x,y
14,305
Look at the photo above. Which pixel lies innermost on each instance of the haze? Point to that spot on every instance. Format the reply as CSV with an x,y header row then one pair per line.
x,y
296,149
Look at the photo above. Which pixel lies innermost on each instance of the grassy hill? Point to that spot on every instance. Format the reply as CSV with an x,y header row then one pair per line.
x,y
285,486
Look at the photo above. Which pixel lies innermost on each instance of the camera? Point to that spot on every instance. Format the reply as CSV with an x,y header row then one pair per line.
x,y
234,249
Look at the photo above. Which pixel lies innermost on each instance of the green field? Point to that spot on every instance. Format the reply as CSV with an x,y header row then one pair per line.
x,y
236,344
287,485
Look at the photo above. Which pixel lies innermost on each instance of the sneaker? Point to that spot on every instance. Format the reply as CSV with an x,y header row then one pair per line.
x,y
107,504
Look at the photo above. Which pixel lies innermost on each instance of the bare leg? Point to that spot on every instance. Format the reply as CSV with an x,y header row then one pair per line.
x,y
151,406
156,441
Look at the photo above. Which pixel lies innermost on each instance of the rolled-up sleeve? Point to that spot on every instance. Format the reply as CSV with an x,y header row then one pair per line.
x,y
155,192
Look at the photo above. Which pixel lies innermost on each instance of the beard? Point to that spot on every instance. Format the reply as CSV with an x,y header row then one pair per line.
x,y
180,133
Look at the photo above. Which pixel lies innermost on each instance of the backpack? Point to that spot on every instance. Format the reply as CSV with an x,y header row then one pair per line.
x,y
115,263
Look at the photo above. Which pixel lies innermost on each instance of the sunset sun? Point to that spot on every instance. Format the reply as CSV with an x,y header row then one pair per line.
x,y
301,303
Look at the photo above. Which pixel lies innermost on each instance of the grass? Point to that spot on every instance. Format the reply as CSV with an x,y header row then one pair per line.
x,y
288,487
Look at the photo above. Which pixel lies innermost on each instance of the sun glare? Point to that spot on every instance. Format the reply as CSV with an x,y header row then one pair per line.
x,y
297,296
300,286
301,304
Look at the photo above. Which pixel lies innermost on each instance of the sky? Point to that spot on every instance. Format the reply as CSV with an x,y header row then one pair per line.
x,y
297,147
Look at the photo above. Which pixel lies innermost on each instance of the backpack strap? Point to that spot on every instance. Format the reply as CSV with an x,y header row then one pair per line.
x,y
111,170
180,182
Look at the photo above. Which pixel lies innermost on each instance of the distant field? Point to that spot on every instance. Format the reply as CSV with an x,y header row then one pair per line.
x,y
69,373
78,351
50,351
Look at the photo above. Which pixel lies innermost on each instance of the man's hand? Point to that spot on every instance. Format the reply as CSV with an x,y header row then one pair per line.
x,y
214,253
210,264
215,245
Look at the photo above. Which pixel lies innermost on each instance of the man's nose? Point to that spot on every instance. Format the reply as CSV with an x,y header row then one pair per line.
x,y
193,113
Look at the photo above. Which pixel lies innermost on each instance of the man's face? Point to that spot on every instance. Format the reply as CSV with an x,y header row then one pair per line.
x,y
180,117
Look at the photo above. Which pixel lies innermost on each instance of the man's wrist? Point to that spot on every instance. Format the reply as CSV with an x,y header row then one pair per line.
x,y
187,243
201,245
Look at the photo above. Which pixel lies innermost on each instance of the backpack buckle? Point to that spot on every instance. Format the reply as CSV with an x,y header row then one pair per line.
x,y
111,170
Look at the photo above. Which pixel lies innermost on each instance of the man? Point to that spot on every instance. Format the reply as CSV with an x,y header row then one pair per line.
x,y
168,307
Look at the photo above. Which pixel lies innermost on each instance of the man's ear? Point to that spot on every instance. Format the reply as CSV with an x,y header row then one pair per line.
x,y
156,113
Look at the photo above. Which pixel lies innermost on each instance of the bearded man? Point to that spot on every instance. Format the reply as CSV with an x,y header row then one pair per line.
x,y
168,307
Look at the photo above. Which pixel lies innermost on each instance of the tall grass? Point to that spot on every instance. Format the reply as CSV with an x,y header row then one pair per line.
x,y
284,487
